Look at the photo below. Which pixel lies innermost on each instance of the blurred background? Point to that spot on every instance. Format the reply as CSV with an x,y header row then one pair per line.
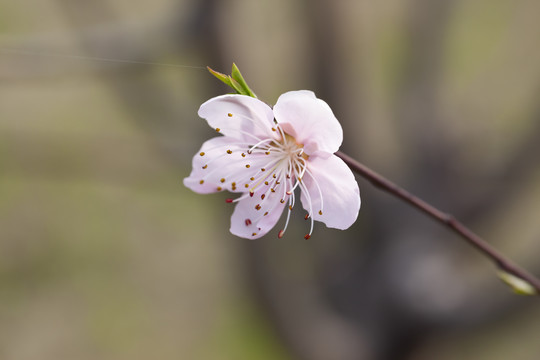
x,y
105,255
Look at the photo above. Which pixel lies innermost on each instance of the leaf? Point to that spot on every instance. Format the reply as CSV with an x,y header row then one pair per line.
x,y
518,285
235,81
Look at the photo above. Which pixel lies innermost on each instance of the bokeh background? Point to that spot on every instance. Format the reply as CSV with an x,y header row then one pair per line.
x,y
105,255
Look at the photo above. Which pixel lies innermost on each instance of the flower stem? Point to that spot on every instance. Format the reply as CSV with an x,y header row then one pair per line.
x,y
501,261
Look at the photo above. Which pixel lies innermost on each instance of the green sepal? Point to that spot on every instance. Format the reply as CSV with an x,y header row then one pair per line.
x,y
235,81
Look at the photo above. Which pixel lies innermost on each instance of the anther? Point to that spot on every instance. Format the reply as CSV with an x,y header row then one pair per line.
x,y
273,129
263,196
289,192
266,213
307,236
267,152
258,207
229,151
282,201
246,186
248,222
252,178
201,182
253,234
202,153
222,180
280,234
263,169
218,129
205,166
320,212
251,193
266,183
274,176
247,166
229,115
228,201
243,155
306,217
272,190
219,188
290,207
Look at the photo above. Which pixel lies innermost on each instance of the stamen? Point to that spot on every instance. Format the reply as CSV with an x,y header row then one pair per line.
x,y
248,222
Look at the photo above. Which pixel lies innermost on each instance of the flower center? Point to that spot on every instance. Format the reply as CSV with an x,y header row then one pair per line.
x,y
268,167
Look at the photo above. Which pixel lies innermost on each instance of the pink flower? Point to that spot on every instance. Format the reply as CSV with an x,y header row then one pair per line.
x,y
266,154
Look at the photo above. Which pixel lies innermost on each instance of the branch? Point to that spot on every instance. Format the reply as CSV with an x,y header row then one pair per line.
x,y
503,263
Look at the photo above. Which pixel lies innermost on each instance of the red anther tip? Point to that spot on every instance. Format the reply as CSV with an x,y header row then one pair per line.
x,y
251,193
248,222
307,236
280,234
306,217
229,200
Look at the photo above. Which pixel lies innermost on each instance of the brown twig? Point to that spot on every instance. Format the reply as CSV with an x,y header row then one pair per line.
x,y
500,260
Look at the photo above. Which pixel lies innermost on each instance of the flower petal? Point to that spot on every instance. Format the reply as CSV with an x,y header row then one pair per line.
x,y
310,121
238,116
249,220
222,167
332,179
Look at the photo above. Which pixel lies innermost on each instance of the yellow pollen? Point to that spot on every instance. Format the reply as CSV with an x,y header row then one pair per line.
x,y
252,178
229,151
266,183
219,188
205,166
246,186
320,212
247,166
201,182
222,180
253,234
229,115
202,153
218,129
266,213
